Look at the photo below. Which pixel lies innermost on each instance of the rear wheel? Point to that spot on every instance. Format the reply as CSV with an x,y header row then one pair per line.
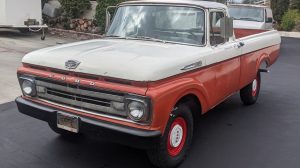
x,y
176,141
250,93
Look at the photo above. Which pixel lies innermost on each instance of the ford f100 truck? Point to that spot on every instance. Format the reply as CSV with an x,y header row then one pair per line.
x,y
162,64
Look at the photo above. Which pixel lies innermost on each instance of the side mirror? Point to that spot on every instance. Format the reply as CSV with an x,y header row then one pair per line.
x,y
108,17
226,27
269,20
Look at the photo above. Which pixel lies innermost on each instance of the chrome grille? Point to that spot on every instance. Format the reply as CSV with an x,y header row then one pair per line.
x,y
98,101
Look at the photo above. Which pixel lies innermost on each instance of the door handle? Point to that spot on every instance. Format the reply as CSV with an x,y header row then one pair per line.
x,y
239,45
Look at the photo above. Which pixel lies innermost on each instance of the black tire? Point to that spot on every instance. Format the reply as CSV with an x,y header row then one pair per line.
x,y
163,155
250,93
63,133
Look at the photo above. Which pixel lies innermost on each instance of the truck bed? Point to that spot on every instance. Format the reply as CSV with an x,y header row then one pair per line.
x,y
240,33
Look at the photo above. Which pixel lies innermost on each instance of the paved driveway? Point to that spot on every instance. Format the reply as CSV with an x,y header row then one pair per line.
x,y
266,135
13,46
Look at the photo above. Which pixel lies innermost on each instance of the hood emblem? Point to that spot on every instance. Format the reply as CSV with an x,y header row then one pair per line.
x,y
72,64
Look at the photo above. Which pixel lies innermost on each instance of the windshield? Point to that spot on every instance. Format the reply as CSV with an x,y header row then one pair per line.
x,y
247,13
160,23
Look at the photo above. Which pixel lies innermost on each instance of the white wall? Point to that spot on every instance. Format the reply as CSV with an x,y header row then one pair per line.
x,y
18,11
2,12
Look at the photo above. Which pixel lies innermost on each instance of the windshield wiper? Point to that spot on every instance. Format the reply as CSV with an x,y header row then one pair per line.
x,y
147,38
249,19
115,36
137,38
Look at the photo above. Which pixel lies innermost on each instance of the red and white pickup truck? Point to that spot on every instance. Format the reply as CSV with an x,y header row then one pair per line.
x,y
162,64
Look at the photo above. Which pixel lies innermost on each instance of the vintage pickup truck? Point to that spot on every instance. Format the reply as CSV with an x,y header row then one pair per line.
x,y
162,64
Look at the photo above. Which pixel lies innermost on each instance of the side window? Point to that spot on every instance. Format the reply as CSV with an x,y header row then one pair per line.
x,y
216,36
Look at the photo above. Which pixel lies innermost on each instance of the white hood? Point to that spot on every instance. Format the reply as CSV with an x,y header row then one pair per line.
x,y
242,24
124,59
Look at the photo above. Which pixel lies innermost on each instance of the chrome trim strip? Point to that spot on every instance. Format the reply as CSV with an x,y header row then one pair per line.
x,y
192,66
27,78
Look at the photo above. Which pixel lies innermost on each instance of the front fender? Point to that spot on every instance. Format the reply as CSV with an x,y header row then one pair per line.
x,y
165,97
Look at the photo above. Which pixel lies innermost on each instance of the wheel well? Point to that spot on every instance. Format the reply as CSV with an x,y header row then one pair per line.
x,y
264,64
193,102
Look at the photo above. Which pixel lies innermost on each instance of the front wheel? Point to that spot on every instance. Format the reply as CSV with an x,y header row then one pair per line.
x,y
250,93
176,141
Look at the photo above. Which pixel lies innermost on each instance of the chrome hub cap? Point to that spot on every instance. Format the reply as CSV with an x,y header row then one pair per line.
x,y
176,136
254,85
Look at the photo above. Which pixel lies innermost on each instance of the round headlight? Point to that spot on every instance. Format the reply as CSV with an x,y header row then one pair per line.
x,y
137,110
28,88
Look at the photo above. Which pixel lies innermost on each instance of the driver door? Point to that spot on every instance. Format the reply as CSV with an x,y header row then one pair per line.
x,y
224,59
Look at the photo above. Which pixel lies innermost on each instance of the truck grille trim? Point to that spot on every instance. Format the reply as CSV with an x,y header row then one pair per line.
x,y
79,97
74,90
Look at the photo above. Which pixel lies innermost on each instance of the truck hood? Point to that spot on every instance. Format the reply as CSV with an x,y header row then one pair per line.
x,y
133,60
242,24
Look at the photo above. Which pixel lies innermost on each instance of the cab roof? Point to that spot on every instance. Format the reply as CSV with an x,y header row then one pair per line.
x,y
203,4
248,5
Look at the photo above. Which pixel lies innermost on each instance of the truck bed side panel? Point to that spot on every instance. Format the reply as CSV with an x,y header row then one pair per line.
x,y
239,33
250,63
259,48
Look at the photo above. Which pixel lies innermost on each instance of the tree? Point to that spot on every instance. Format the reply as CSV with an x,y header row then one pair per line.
x,y
279,7
101,11
74,8
295,4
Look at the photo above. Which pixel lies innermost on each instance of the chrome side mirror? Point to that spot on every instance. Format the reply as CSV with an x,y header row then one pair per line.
x,y
226,27
229,27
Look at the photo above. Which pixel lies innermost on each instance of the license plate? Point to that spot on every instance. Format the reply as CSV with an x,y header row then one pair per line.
x,y
68,122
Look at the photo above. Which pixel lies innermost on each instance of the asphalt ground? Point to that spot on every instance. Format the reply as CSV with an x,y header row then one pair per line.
x,y
266,135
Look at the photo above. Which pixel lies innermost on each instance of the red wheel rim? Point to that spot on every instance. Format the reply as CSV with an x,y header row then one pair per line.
x,y
255,86
177,136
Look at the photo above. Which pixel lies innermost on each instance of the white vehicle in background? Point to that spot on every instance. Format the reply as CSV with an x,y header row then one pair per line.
x,y
24,15
251,16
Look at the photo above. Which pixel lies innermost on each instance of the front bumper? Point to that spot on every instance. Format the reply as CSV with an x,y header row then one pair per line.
x,y
117,133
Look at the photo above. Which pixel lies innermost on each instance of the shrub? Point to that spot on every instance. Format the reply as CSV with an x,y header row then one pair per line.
x,y
289,20
101,11
279,7
295,4
43,2
74,8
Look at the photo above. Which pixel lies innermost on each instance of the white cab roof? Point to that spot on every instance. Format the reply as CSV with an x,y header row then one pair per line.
x,y
249,5
204,4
